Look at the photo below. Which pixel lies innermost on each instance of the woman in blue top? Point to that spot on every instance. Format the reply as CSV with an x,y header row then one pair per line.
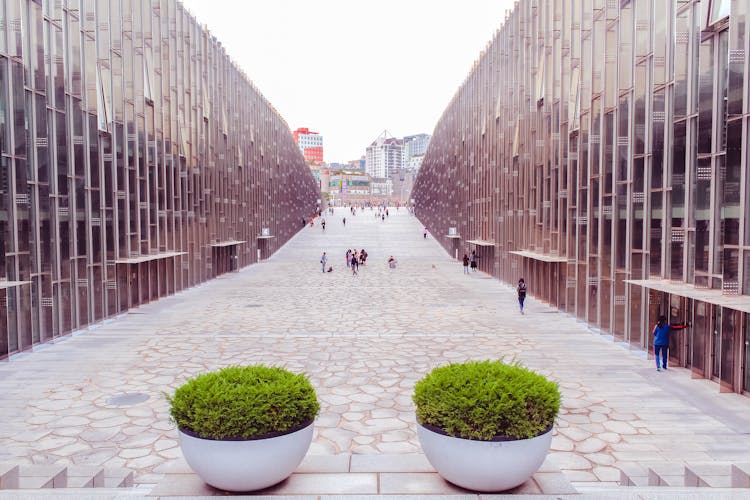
x,y
661,340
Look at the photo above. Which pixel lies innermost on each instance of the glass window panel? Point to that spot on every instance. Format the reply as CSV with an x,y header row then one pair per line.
x,y
719,10
657,140
656,234
706,96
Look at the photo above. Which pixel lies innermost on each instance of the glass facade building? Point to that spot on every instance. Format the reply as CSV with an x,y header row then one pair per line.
x,y
137,160
599,149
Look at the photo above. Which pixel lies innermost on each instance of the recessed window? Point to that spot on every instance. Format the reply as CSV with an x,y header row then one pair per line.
x,y
718,10
574,99
148,84
102,102
540,79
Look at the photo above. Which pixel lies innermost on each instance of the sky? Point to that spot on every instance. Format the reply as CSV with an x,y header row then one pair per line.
x,y
350,69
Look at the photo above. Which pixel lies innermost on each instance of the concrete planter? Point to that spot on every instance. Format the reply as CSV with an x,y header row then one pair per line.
x,y
484,465
246,465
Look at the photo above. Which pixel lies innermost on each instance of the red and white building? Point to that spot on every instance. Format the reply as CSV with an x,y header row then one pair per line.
x,y
310,143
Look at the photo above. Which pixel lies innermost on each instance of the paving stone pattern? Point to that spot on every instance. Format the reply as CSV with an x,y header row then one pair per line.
x,y
364,341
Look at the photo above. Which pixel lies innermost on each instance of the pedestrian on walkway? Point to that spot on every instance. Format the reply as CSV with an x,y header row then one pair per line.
x,y
323,224
383,217
424,233
363,257
661,333
466,264
345,221
392,262
348,257
304,222
474,260
323,260
355,263
521,293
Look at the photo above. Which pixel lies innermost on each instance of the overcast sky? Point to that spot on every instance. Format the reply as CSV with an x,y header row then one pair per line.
x,y
350,69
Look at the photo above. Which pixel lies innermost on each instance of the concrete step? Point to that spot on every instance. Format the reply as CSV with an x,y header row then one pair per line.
x,y
741,475
8,477
708,474
85,476
115,477
633,474
666,474
42,476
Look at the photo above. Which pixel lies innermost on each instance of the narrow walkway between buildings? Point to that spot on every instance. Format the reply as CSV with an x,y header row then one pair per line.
x,y
364,341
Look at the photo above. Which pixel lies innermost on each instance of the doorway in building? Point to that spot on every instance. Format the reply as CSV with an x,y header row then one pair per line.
x,y
716,343
678,341
699,335
730,329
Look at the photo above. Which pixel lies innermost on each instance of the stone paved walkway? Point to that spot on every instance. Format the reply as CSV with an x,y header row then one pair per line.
x,y
364,340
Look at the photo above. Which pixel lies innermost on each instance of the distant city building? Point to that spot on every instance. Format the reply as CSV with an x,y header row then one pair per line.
x,y
382,187
348,188
384,156
310,143
415,147
358,165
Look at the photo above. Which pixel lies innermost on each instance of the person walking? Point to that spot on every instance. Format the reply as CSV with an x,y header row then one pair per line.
x,y
348,257
355,263
383,217
474,260
323,260
392,262
521,293
424,233
345,221
466,264
323,224
661,333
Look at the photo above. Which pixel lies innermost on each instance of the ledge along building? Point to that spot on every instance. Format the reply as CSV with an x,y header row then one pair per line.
x,y
599,149
137,160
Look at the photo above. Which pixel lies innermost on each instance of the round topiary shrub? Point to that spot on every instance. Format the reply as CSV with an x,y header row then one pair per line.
x,y
244,402
486,400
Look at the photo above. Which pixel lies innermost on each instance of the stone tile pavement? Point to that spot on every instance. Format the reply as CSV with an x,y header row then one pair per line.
x,y
364,341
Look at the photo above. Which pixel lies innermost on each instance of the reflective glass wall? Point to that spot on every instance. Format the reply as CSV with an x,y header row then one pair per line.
x,y
599,149
137,160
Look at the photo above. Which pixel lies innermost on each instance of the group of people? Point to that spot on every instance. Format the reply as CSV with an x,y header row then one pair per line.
x,y
470,261
356,258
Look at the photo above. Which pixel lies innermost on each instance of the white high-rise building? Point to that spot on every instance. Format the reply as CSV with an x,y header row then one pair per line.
x,y
384,156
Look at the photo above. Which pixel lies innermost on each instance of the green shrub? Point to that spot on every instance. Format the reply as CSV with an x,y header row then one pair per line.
x,y
243,402
481,400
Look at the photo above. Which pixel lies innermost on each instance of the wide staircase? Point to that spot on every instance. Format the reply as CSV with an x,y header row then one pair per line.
x,y
685,474
24,477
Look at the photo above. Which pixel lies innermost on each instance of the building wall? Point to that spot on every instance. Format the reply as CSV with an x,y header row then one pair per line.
x,y
137,160
607,142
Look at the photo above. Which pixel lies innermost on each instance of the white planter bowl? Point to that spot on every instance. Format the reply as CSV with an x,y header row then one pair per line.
x,y
246,465
484,465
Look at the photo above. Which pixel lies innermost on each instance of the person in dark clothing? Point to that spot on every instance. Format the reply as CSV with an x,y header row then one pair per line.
x,y
466,264
474,261
521,293
661,333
